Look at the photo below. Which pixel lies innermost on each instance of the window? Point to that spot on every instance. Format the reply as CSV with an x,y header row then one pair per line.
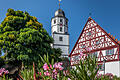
x,y
60,29
54,21
76,58
66,22
83,46
97,42
60,38
110,52
89,33
61,20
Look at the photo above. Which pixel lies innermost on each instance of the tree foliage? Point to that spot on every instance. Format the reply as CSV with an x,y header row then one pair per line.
x,y
23,38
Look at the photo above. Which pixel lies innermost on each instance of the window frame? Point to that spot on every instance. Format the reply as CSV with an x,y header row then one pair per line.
x,y
110,52
97,42
60,38
89,33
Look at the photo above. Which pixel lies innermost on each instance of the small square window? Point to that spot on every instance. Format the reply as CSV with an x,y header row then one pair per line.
x,y
89,34
60,29
83,46
60,38
76,58
97,42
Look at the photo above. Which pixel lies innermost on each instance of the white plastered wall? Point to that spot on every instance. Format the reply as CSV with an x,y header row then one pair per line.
x,y
113,67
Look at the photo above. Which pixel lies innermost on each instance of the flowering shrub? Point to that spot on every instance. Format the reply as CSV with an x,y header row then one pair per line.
x,y
3,71
51,71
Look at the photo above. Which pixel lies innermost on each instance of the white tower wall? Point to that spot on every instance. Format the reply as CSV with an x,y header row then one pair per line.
x,y
59,29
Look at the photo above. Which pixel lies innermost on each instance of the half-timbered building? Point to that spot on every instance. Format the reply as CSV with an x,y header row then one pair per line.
x,y
100,44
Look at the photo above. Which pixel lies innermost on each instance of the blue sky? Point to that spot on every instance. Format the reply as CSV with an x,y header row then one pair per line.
x,y
105,12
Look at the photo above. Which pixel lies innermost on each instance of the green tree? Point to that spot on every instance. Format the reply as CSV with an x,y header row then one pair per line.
x,y
23,38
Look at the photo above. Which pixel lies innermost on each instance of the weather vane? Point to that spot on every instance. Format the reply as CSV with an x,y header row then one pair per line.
x,y
59,3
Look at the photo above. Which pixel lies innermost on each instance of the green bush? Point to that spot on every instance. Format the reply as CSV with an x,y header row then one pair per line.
x,y
86,70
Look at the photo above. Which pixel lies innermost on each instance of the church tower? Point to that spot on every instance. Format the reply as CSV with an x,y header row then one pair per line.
x,y
59,30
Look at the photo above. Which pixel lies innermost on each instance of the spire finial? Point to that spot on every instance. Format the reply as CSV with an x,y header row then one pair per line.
x,y
59,3
90,14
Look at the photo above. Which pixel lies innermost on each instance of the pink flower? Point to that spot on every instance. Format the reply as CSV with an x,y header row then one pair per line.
x,y
60,63
6,71
54,70
45,67
64,72
55,65
39,73
46,73
0,74
69,79
88,49
50,66
3,71
58,66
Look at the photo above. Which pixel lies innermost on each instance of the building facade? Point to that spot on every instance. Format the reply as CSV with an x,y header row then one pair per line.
x,y
59,30
95,41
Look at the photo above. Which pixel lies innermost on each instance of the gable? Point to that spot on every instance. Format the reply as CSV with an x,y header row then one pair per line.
x,y
94,38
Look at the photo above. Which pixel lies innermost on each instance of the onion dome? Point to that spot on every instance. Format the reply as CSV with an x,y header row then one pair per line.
x,y
60,13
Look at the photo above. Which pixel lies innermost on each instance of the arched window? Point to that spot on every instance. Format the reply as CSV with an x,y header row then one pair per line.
x,y
55,21
61,20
